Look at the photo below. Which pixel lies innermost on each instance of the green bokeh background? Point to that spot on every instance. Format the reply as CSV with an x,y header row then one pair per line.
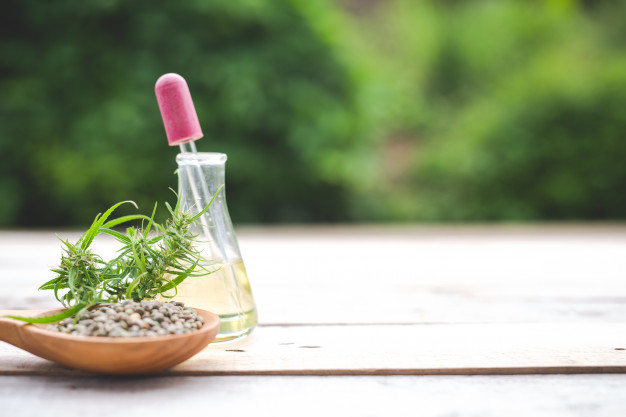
x,y
329,111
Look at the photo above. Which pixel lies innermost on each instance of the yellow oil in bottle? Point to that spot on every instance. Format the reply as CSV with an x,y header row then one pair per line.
x,y
225,291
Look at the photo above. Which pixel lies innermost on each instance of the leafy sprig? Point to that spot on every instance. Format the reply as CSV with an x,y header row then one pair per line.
x,y
147,265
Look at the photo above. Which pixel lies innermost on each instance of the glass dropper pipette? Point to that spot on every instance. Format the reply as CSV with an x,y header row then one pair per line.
x,y
182,128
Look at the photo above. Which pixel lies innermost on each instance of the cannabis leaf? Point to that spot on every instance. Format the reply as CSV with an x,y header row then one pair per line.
x,y
151,262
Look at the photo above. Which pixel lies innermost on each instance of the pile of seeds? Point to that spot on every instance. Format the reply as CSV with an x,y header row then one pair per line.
x,y
129,318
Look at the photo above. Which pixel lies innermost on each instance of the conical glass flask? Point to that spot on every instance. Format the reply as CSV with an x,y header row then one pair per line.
x,y
226,290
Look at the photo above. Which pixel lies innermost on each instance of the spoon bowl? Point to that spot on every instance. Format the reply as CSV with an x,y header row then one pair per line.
x,y
107,355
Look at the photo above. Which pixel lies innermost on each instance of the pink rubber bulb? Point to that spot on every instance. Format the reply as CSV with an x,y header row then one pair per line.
x,y
179,114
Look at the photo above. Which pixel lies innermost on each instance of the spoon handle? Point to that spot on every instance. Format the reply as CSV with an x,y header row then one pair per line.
x,y
11,330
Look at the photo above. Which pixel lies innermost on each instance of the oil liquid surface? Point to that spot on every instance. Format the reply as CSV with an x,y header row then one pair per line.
x,y
225,292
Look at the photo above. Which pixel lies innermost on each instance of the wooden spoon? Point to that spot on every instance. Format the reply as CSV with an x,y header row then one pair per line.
x,y
108,355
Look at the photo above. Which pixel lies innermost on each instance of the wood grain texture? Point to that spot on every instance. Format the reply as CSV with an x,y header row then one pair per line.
x,y
354,318
399,300
395,275
346,396
474,349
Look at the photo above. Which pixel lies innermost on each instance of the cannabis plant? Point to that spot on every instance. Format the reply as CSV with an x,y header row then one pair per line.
x,y
151,262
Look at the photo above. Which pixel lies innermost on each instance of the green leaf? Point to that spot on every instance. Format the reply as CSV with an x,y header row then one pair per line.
x,y
177,201
134,285
194,218
169,208
124,219
99,222
71,279
145,234
53,318
49,284
138,262
119,236
180,278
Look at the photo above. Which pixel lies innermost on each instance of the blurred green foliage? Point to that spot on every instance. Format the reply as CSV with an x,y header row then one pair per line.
x,y
80,127
328,111
507,110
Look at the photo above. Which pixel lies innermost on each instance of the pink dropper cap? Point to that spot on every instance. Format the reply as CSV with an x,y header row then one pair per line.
x,y
179,114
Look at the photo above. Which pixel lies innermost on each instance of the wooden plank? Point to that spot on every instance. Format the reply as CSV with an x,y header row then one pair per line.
x,y
507,263
410,303
395,275
468,349
511,396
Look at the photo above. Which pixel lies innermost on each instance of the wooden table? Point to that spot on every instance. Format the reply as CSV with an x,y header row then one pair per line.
x,y
360,321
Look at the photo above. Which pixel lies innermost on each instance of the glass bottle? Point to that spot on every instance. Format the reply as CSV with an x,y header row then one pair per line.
x,y
226,290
